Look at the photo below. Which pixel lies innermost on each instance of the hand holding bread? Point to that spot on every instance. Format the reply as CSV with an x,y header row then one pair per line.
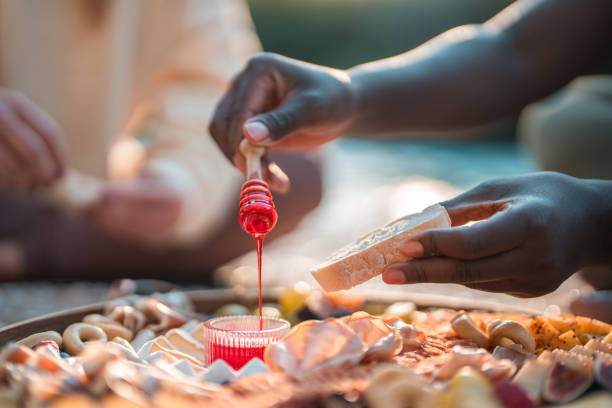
x,y
534,232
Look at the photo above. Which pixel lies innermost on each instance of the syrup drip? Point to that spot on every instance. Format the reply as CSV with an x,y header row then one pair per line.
x,y
257,217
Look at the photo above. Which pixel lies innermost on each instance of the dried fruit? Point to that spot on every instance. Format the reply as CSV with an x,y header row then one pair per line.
x,y
532,375
544,334
603,372
569,340
513,396
563,322
593,326
571,375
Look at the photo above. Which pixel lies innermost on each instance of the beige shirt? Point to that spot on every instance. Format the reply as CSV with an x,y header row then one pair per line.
x,y
133,84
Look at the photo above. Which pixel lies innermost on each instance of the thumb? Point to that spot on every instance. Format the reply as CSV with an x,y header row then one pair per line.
x,y
267,128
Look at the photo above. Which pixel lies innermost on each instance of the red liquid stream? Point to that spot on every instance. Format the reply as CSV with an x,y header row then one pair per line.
x,y
257,217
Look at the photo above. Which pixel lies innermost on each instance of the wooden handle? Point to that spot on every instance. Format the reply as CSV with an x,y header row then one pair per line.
x,y
252,155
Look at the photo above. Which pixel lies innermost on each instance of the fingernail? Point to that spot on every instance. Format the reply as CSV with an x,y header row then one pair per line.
x,y
256,131
394,277
413,249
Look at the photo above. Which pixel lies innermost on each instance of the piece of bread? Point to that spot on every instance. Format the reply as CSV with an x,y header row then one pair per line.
x,y
366,258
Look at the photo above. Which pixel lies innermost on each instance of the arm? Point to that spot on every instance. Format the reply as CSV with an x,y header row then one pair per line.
x,y
480,73
465,77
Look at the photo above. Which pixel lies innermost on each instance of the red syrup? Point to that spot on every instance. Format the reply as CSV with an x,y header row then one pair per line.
x,y
257,217
237,357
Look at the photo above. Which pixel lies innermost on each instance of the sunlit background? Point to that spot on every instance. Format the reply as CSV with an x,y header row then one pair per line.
x,y
369,183
365,183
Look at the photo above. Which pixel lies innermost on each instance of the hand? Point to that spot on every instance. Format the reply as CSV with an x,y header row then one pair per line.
x,y
141,211
31,152
281,103
537,230
597,305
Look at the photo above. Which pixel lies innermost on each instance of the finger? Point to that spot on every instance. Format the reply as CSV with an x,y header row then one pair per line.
x,y
499,286
28,148
13,174
271,127
502,232
257,93
240,162
444,270
222,118
461,213
597,305
43,163
48,130
276,178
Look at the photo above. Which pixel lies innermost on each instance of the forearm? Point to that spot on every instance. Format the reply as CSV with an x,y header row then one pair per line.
x,y
454,81
477,74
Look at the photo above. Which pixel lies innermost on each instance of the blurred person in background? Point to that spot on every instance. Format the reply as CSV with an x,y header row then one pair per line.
x,y
467,77
119,93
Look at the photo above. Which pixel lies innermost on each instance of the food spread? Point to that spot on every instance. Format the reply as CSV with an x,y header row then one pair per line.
x,y
151,351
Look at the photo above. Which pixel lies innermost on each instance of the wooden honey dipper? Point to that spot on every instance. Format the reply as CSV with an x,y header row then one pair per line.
x,y
257,214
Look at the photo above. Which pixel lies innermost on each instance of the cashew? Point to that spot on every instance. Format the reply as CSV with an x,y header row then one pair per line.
x,y
34,339
493,325
514,331
110,327
77,334
466,329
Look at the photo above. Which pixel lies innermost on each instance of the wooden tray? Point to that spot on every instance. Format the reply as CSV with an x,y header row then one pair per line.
x,y
207,301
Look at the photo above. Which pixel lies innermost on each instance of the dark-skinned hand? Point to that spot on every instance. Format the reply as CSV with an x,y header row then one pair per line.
x,y
534,232
284,104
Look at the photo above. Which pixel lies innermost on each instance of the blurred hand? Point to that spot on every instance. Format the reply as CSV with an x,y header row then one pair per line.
x,y
537,230
31,151
142,210
281,103
597,305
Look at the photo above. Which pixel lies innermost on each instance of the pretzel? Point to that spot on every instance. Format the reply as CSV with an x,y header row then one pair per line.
x,y
514,331
128,317
111,328
162,317
466,329
77,334
36,338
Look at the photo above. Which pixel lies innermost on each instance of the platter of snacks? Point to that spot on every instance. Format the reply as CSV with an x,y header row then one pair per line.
x,y
315,349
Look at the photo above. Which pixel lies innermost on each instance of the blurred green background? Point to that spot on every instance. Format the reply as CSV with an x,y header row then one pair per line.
x,y
342,33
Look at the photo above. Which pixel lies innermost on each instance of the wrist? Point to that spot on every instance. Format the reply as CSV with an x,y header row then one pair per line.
x,y
357,92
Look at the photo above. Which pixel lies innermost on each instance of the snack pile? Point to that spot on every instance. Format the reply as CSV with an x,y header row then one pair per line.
x,y
341,351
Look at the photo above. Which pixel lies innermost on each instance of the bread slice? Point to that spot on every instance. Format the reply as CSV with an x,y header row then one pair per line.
x,y
366,258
